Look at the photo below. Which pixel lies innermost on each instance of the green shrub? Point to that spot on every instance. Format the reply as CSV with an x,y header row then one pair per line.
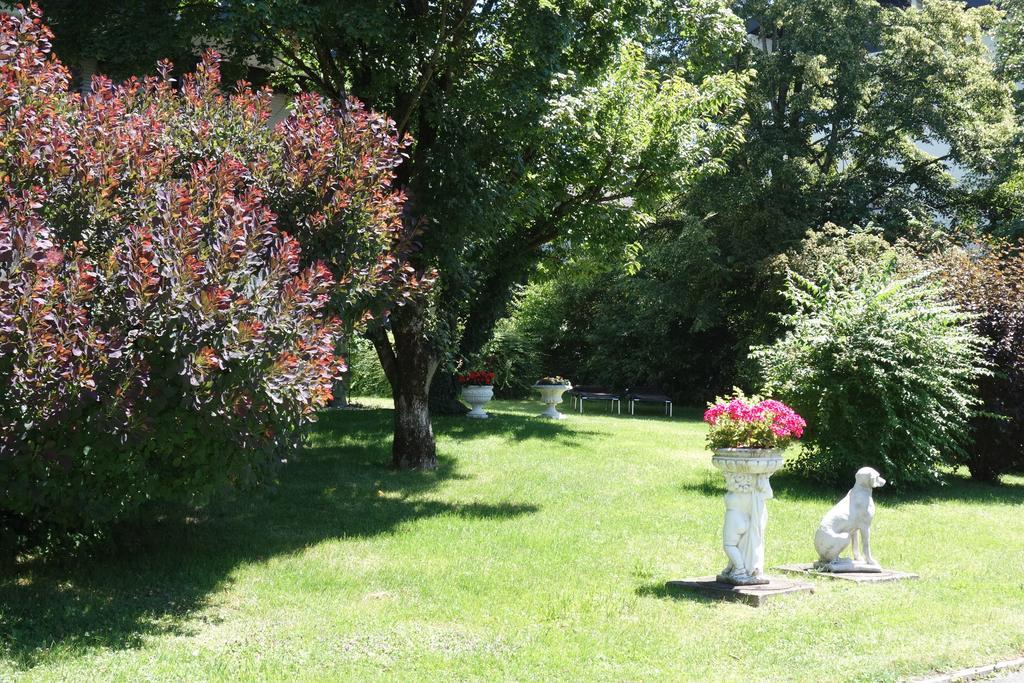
x,y
671,316
837,254
883,370
365,375
514,356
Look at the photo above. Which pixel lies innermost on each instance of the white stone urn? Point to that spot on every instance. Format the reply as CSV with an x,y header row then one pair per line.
x,y
477,396
746,473
551,394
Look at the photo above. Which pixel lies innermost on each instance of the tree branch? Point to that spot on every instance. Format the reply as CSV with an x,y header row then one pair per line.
x,y
458,37
379,336
288,54
330,65
901,177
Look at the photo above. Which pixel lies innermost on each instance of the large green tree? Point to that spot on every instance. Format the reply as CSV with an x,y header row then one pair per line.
x,y
998,195
858,115
535,125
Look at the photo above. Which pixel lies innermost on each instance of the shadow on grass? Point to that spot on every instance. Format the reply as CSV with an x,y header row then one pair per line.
x,y
662,591
787,484
514,427
375,424
156,575
711,485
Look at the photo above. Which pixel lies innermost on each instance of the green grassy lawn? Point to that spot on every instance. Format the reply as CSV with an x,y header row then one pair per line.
x,y
537,551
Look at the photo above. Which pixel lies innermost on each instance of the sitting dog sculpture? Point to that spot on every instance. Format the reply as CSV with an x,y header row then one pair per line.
x,y
847,521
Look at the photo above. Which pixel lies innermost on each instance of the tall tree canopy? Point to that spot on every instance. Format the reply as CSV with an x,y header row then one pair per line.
x,y
858,114
547,127
534,125
999,195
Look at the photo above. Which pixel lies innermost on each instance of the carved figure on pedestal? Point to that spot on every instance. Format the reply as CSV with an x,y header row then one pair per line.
x,y
747,437
846,523
746,517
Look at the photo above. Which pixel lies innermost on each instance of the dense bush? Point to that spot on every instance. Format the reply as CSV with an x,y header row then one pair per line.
x,y
654,317
839,255
989,283
515,356
159,336
883,370
365,375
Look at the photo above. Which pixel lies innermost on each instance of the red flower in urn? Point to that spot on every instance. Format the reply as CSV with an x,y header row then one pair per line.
x,y
476,378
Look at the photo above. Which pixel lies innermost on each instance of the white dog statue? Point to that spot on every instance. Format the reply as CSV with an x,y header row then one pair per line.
x,y
851,517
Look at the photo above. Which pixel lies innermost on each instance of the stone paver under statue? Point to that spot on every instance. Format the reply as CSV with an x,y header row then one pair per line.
x,y
879,576
753,595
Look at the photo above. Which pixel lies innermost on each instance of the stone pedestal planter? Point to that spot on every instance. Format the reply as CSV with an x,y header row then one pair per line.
x,y
477,397
551,395
746,473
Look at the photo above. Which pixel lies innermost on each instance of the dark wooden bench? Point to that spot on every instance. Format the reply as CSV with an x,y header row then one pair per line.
x,y
582,394
648,395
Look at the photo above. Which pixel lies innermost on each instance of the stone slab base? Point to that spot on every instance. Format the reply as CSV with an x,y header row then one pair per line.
x,y
856,577
755,596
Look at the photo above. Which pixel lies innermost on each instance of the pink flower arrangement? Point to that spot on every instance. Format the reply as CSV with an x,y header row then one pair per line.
x,y
741,422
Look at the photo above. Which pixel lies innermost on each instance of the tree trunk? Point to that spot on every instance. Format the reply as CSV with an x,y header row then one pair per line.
x,y
340,388
340,393
444,395
409,363
414,447
9,528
